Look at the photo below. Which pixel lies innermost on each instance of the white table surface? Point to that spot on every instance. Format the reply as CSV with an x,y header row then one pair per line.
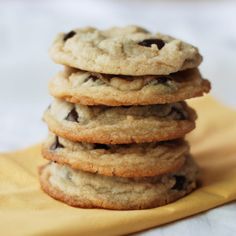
x,y
28,27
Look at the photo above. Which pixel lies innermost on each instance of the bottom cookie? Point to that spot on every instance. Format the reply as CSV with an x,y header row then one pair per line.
x,y
87,190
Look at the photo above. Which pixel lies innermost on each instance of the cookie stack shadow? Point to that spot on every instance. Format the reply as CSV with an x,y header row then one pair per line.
x,y
118,119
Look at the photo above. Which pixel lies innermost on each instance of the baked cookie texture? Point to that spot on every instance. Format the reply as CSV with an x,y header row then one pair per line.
x,y
89,88
119,125
129,50
84,189
118,120
124,160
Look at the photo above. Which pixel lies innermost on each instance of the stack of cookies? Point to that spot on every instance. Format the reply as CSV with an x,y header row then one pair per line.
x,y
118,119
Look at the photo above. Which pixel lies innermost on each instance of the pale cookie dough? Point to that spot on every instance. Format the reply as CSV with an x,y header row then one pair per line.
x,y
84,189
89,88
130,50
124,160
118,125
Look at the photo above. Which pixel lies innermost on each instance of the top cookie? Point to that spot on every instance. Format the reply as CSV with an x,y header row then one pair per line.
x,y
130,50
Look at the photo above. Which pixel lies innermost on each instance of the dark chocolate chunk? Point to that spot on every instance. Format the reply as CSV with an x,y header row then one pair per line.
x,y
148,43
72,116
163,79
93,78
181,115
160,80
101,146
69,35
180,181
56,144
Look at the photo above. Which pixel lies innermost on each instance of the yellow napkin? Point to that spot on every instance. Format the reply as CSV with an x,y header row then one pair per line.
x,y
26,210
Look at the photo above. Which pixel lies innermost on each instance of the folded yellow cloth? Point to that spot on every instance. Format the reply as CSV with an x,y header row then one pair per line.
x,y
26,210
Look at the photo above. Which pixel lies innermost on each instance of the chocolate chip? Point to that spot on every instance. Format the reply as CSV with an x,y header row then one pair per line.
x,y
163,79
180,181
91,77
148,43
56,144
181,115
72,116
101,146
160,80
69,35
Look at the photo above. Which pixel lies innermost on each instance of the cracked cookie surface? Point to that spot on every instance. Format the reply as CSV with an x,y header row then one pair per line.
x,y
125,160
119,125
89,88
129,50
84,189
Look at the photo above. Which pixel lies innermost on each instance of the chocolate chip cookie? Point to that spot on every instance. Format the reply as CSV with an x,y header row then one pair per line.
x,y
84,189
89,88
124,160
129,50
119,125
118,120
